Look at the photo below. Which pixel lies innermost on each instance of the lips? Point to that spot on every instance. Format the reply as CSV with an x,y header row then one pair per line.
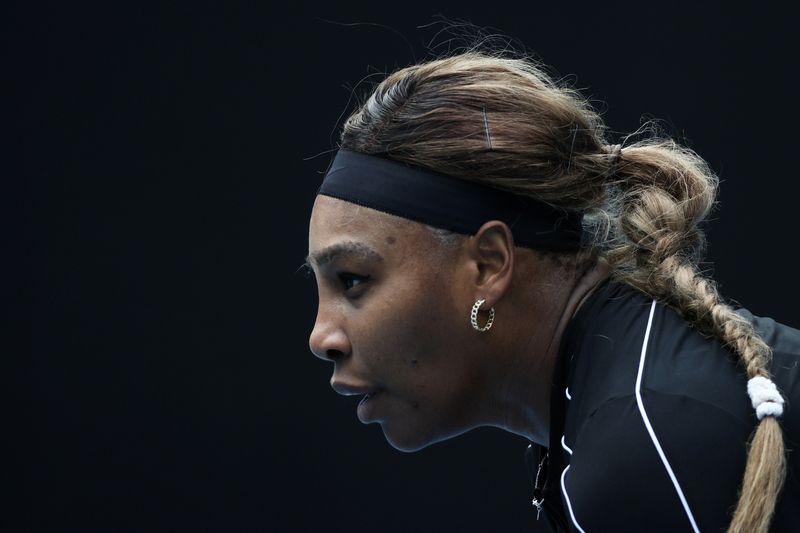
x,y
354,389
369,395
366,406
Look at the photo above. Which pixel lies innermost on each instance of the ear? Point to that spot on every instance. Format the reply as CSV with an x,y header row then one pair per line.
x,y
492,251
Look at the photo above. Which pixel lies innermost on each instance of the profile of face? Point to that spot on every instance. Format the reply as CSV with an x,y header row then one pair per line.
x,y
393,318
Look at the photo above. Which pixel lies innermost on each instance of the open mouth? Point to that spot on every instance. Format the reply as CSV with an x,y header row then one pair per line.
x,y
369,395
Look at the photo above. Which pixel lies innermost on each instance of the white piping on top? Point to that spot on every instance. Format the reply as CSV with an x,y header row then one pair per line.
x,y
564,445
650,427
569,503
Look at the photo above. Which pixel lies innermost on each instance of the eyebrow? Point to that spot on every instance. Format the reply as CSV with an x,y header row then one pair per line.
x,y
343,249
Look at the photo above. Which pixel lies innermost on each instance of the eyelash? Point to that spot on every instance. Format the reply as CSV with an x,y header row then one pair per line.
x,y
306,270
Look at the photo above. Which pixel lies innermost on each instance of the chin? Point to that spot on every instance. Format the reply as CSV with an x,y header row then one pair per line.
x,y
409,441
406,440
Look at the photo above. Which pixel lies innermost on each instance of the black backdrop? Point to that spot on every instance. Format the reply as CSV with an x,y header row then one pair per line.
x,y
167,154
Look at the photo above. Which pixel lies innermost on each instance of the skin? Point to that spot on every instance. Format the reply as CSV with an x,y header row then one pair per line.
x,y
402,323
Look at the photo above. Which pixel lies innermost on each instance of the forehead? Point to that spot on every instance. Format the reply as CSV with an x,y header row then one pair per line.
x,y
335,221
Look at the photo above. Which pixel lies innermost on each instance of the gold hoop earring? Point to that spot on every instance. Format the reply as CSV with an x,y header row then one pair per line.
x,y
473,316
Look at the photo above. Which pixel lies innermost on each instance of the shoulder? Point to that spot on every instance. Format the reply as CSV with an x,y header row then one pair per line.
x,y
630,342
659,418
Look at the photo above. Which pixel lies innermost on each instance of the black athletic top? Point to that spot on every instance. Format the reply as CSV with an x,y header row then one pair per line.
x,y
650,421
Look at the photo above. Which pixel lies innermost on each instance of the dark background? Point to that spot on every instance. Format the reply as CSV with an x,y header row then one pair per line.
x,y
168,160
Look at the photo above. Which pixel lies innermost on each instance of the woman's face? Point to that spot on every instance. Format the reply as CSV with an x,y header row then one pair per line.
x,y
393,318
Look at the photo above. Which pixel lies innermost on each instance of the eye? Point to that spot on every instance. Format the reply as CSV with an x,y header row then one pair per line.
x,y
350,280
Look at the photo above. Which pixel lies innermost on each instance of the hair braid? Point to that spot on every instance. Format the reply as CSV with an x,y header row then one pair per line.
x,y
657,254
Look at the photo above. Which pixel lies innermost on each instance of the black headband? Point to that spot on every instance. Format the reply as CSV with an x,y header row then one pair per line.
x,y
446,202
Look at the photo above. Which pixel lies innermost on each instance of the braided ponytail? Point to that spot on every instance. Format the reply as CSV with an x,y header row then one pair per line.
x,y
664,192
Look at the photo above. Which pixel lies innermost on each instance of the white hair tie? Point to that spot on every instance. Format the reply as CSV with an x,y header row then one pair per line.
x,y
767,401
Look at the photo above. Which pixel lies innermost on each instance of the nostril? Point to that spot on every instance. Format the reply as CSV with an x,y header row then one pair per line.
x,y
334,354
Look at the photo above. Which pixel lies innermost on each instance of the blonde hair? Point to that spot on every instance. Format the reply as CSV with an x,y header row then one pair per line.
x,y
504,122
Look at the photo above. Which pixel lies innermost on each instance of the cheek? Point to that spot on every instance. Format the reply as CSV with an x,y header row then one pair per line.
x,y
402,337
423,363
416,343
419,319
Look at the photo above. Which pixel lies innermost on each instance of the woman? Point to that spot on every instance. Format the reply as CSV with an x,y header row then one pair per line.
x,y
484,257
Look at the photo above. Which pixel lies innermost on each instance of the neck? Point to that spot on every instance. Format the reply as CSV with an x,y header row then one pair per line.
x,y
526,383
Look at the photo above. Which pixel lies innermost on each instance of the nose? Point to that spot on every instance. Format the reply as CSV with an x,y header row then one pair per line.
x,y
327,341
